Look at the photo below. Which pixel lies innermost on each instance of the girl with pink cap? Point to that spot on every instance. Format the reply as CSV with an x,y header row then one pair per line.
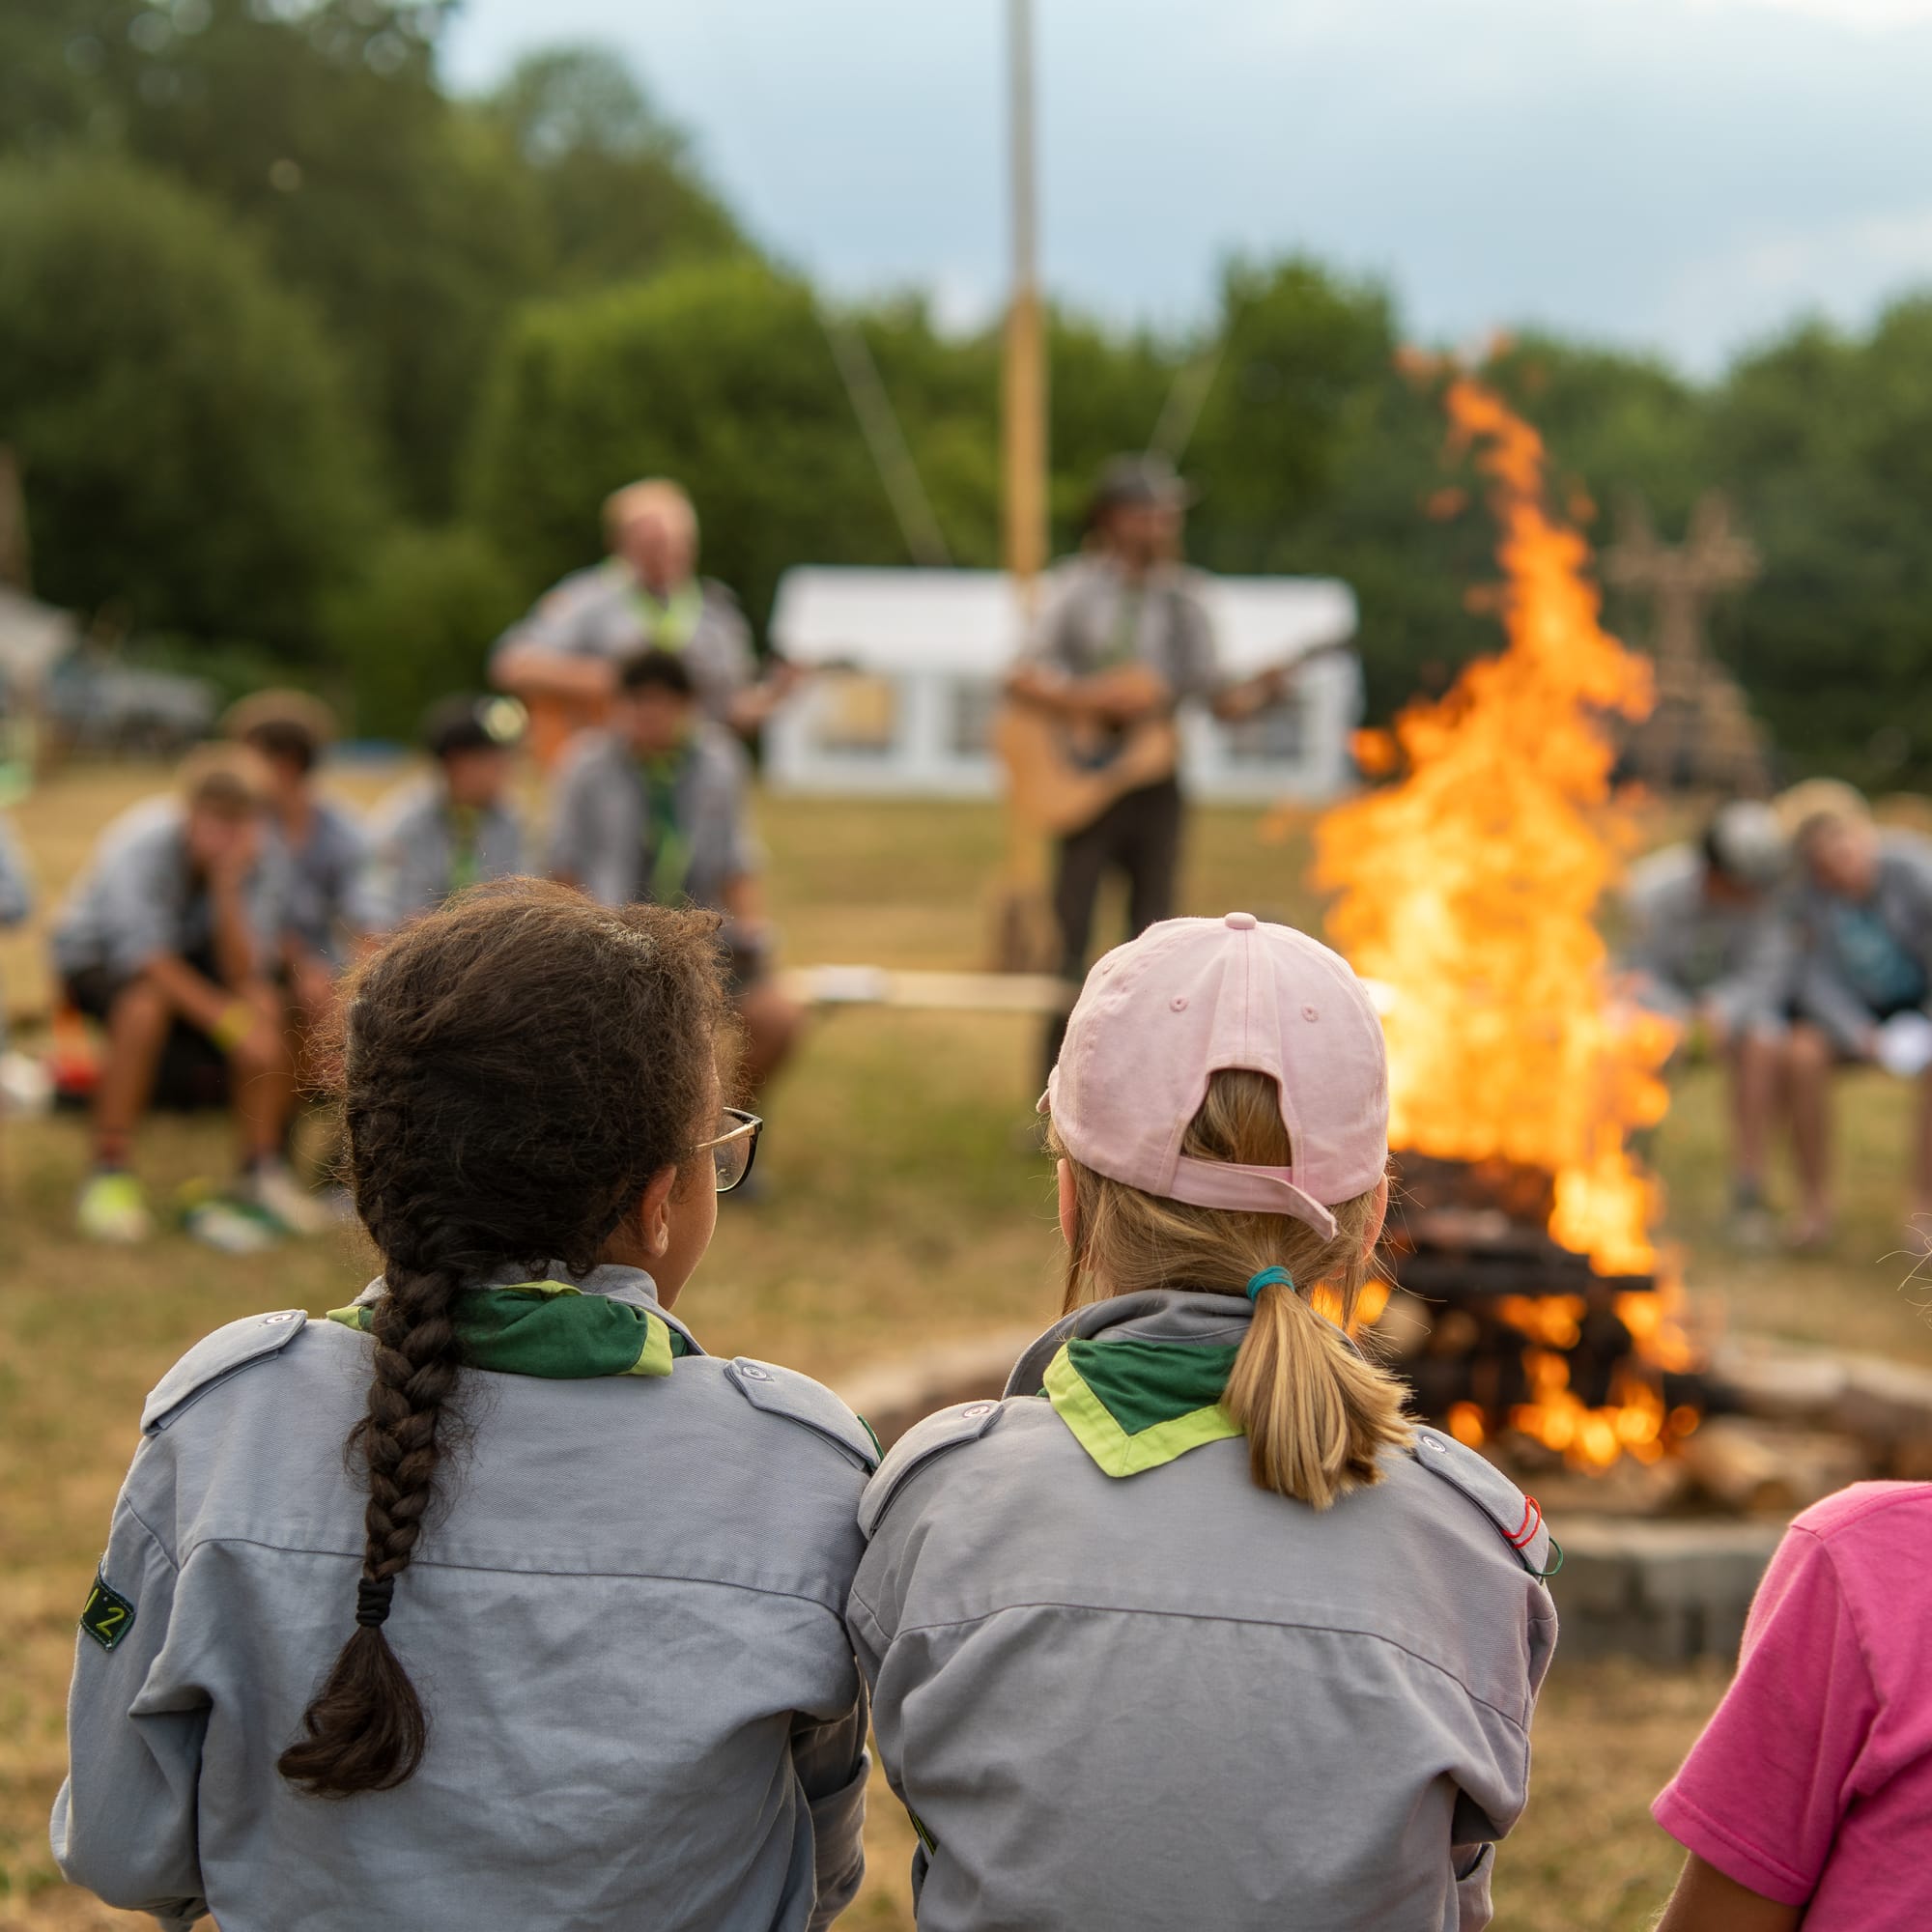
x,y
1194,1627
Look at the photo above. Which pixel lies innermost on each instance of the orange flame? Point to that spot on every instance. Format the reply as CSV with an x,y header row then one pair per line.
x,y
1468,889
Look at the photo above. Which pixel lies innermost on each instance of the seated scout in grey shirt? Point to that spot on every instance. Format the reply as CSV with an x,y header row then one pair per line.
x,y
654,808
590,1577
1192,1629
455,828
169,939
331,903
1711,936
17,894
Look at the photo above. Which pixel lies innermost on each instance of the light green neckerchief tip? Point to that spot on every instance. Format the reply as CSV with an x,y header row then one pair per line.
x,y
1135,1405
550,1330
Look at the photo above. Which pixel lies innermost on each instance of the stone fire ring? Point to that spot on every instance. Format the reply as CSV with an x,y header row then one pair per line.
x,y
1664,1590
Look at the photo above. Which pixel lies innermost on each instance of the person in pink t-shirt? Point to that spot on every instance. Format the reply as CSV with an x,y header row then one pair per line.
x,y
1809,1795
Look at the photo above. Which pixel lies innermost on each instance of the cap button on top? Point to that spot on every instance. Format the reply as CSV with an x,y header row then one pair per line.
x,y
1239,922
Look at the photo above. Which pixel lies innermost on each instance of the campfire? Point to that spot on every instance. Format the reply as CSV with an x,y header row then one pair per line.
x,y
1467,889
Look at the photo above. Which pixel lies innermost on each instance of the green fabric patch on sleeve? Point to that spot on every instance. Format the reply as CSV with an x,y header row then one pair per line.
x,y
553,1331
107,1616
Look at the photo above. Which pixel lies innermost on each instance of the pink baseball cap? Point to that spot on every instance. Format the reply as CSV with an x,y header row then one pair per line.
x,y
1159,1016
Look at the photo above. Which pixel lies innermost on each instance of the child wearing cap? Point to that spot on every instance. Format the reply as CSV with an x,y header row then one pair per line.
x,y
454,828
169,939
1193,1627
1808,1799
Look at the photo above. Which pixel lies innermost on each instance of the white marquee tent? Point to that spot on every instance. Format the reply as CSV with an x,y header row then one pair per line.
x,y
908,666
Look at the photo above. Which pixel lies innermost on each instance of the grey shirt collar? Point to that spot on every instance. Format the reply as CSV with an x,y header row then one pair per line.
x,y
1155,1315
617,1284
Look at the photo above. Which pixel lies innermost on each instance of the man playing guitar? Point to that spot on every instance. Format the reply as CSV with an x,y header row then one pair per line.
x,y
1123,639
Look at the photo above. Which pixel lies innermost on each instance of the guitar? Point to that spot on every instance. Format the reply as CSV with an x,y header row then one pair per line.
x,y
1064,771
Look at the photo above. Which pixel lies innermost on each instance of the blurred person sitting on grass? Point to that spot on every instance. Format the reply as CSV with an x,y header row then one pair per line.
x,y
1863,912
455,827
171,938
1712,949
331,904
1808,1799
492,1600
646,595
16,897
654,809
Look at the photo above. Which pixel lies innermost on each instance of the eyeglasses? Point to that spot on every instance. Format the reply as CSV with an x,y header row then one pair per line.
x,y
734,1150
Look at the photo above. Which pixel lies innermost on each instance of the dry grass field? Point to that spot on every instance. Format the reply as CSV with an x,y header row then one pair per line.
x,y
900,1214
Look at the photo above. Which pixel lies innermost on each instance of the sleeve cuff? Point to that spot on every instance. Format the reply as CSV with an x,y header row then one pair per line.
x,y
1696,1830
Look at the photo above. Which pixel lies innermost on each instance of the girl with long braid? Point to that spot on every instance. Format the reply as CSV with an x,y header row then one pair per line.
x,y
592,1579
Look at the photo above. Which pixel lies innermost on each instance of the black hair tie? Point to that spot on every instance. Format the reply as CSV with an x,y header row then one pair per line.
x,y
372,1601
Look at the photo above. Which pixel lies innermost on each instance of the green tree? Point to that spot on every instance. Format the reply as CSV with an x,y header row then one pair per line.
x,y
406,219
1825,443
619,193
417,623
720,376
189,449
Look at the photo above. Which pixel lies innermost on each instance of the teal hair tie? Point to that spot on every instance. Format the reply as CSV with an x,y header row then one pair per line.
x,y
1269,1278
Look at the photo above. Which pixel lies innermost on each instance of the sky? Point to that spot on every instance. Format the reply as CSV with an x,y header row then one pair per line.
x,y
1682,176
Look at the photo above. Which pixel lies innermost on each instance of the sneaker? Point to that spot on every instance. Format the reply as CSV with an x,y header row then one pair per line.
x,y
113,1208
232,1226
272,1190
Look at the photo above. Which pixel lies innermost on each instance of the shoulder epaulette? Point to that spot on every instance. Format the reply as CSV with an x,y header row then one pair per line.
x,y
950,1428
811,1404
1517,1517
215,1358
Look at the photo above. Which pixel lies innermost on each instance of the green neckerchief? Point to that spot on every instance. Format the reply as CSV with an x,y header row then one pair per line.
x,y
666,843
668,623
549,1329
1134,1406
466,835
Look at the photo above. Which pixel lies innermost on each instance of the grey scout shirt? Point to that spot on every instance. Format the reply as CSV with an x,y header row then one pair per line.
x,y
1686,949
624,835
1092,621
16,882
624,1620
1901,904
600,613
139,898
331,889
1175,1699
16,895
422,854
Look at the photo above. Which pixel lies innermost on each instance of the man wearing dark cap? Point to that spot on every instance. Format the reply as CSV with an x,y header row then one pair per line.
x,y
1123,639
456,827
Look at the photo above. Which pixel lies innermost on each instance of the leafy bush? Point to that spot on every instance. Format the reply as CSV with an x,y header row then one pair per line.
x,y
188,448
418,623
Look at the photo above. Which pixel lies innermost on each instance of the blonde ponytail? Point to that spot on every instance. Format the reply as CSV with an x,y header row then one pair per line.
x,y
1317,1414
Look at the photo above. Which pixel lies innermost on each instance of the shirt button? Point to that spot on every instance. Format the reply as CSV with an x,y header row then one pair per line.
x,y
751,1371
979,1409
276,1321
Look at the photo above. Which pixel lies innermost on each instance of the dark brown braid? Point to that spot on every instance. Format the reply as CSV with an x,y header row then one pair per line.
x,y
518,1067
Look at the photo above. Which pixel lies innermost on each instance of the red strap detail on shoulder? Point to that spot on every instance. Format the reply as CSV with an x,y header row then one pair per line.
x,y
1532,1522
